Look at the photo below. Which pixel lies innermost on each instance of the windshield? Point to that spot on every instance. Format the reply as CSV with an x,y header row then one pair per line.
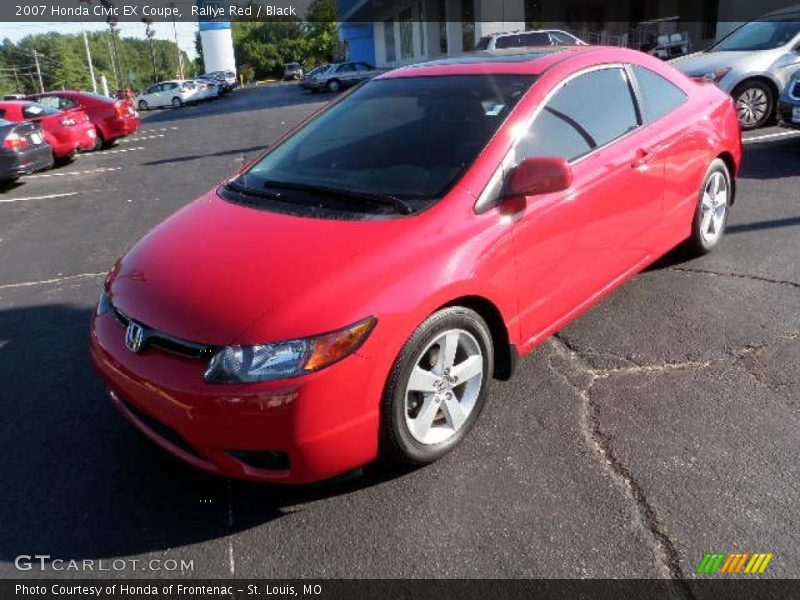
x,y
318,70
759,35
408,137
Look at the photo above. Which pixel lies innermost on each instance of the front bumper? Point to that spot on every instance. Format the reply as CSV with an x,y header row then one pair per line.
x,y
31,160
317,426
785,110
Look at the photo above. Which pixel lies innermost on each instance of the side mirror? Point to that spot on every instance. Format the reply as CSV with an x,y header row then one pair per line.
x,y
540,175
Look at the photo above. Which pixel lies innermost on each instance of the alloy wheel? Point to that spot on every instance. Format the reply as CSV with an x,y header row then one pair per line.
x,y
443,387
713,207
752,106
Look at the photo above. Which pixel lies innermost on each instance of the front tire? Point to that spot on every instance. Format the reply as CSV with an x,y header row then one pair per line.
x,y
177,102
334,85
755,104
711,215
143,106
437,387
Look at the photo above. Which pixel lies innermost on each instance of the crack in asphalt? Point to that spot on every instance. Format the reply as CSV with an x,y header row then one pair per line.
x,y
667,556
786,282
668,559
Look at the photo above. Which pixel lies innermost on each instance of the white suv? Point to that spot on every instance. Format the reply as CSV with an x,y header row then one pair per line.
x,y
520,39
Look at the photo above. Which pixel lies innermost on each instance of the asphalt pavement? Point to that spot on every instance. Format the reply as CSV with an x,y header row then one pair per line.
x,y
661,425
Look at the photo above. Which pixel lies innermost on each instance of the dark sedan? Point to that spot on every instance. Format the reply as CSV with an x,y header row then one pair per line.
x,y
22,150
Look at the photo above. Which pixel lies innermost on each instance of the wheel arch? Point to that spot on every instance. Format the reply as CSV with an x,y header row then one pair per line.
x,y
505,353
729,161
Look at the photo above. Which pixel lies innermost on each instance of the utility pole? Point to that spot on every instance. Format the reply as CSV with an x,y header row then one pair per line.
x,y
175,32
150,33
16,78
89,57
113,64
113,26
38,70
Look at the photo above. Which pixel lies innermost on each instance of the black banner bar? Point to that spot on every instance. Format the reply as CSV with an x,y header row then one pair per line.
x,y
386,589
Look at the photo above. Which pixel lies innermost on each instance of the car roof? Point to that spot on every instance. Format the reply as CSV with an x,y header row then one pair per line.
x,y
507,61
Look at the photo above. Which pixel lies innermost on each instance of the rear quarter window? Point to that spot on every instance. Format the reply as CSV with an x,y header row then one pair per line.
x,y
659,96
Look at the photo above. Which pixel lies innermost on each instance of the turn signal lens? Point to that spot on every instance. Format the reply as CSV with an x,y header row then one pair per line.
x,y
335,346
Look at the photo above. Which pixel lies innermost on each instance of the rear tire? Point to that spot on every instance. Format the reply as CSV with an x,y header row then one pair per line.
x,y
713,206
437,387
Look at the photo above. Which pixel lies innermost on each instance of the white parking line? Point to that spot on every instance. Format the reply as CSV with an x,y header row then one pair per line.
x,y
54,280
142,138
74,173
48,197
104,152
769,136
145,131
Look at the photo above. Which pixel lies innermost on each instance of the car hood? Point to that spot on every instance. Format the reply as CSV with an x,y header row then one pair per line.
x,y
700,63
221,273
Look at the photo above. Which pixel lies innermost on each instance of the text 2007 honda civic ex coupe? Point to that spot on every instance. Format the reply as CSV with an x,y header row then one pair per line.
x,y
352,292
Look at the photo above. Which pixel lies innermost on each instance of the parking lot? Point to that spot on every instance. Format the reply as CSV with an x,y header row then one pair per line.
x,y
662,425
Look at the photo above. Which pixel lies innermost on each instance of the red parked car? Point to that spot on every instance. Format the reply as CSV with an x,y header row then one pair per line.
x,y
112,118
67,131
354,289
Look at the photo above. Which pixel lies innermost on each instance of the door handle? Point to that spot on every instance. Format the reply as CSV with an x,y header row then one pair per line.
x,y
643,158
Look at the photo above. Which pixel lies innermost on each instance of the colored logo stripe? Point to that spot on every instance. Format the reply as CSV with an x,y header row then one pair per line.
x,y
736,562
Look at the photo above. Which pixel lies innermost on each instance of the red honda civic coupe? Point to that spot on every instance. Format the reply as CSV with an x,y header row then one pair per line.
x,y
112,118
351,292
68,131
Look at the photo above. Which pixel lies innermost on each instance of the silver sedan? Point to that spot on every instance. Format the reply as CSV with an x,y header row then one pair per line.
x,y
753,64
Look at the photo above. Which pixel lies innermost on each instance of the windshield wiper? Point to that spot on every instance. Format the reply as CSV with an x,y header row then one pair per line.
x,y
248,191
398,204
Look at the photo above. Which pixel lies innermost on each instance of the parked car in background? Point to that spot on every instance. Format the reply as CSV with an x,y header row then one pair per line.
x,y
14,97
125,94
23,150
173,93
753,64
789,102
519,39
113,119
226,79
67,131
292,71
207,89
338,76
378,266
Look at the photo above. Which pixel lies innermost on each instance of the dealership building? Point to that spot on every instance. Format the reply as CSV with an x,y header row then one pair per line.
x,y
391,33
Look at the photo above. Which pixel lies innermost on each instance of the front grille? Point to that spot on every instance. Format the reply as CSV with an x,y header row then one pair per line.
x,y
160,429
164,341
268,460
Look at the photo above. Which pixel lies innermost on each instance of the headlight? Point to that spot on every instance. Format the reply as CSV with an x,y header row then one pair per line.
x,y
103,305
716,76
280,360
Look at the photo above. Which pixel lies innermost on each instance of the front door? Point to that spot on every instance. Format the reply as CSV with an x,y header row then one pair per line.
x,y
573,245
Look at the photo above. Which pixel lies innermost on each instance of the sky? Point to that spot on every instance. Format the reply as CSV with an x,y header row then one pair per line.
x,y
186,31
